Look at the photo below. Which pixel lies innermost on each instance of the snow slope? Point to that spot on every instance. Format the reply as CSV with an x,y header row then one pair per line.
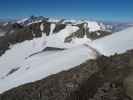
x,y
118,42
17,67
18,52
42,65
14,56
93,26
57,40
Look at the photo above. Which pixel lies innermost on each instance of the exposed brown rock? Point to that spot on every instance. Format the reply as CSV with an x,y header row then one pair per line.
x,y
59,27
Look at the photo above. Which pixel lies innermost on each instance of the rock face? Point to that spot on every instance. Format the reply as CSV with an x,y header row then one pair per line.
x,y
100,79
82,32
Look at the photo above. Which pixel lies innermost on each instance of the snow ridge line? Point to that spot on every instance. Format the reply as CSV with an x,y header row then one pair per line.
x,y
96,52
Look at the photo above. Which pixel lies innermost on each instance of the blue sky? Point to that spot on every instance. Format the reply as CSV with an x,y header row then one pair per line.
x,y
112,10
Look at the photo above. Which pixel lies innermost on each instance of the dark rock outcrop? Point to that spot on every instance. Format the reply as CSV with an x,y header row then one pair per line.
x,y
4,45
17,33
47,49
59,27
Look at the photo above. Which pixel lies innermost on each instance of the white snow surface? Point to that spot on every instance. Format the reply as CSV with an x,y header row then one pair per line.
x,y
57,39
36,67
40,65
22,20
42,27
118,42
93,26
81,40
17,54
55,20
52,27
73,21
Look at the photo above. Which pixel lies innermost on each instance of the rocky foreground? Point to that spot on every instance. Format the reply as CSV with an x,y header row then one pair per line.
x,y
106,78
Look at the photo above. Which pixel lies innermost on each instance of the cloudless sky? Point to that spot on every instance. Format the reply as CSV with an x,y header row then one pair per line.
x,y
112,10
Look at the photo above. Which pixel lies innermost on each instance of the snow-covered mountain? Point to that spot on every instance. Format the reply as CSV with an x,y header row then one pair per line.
x,y
11,26
44,51
36,47
61,31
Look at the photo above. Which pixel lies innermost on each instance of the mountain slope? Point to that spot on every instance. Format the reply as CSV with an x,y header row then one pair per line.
x,y
58,32
38,66
100,79
37,48
118,42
